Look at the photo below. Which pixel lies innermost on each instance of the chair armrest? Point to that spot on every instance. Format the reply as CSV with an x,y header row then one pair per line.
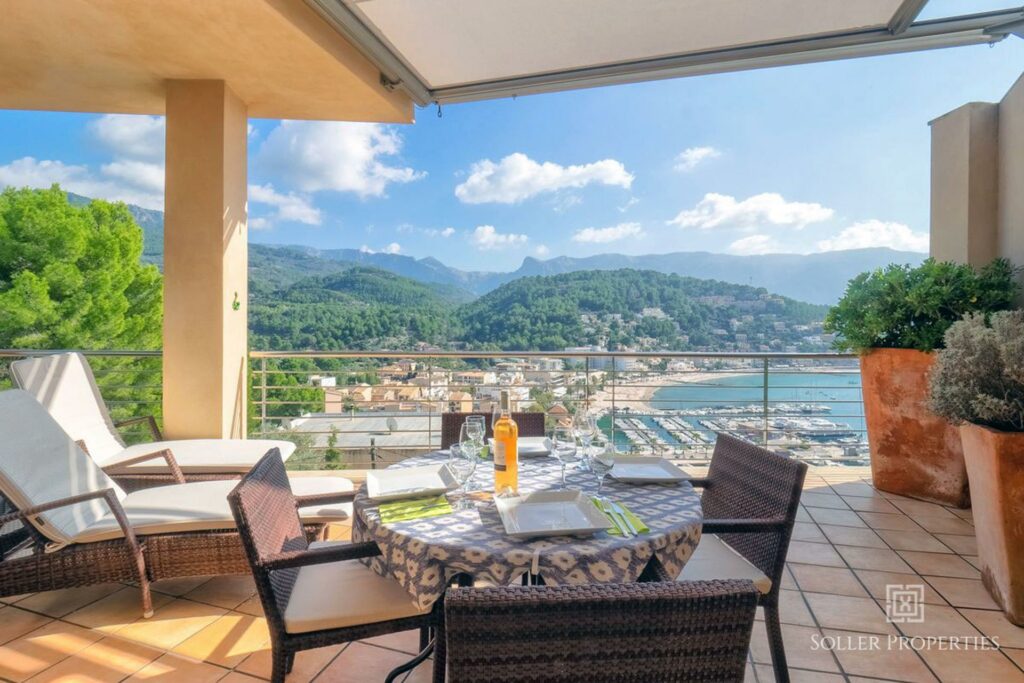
x,y
302,558
699,482
325,498
106,494
154,430
165,453
743,526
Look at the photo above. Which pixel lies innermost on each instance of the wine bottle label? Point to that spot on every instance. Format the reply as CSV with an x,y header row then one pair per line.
x,y
499,456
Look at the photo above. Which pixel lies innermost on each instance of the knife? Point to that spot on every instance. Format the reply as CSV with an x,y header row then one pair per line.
x,y
606,509
625,518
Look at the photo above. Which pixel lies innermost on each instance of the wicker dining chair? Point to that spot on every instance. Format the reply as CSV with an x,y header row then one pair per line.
x,y
530,424
750,501
316,594
664,631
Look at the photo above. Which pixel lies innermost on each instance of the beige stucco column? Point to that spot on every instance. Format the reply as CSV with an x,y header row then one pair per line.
x,y
205,261
964,194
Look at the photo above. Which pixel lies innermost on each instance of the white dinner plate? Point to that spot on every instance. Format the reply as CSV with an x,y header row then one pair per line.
x,y
531,446
551,513
643,469
409,482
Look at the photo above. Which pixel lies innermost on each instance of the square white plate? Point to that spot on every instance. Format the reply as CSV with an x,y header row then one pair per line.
x,y
530,446
409,482
644,469
551,513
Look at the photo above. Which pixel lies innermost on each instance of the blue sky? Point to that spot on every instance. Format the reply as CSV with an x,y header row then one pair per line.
x,y
794,159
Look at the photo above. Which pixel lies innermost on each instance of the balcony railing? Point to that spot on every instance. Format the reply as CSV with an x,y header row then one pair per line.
x,y
366,409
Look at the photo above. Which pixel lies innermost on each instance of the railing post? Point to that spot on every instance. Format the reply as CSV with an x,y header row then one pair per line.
x,y
430,405
614,382
263,396
764,405
586,385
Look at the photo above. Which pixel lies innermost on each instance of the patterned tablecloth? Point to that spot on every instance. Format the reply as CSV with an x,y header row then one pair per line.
x,y
422,555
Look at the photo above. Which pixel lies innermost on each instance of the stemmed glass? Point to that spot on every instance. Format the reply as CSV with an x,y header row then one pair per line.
x,y
462,463
585,428
476,429
564,442
471,438
602,463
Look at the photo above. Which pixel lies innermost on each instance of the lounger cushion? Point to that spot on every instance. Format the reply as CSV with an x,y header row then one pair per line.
x,y
202,456
203,506
340,594
64,384
713,559
40,463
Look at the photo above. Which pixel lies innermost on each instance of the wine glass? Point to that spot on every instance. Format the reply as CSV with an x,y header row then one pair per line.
x,y
564,442
477,429
602,463
471,442
462,464
585,428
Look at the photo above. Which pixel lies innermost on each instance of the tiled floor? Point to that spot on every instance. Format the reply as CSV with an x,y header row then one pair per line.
x,y
850,542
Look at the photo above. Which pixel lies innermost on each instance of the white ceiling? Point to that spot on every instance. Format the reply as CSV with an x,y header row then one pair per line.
x,y
455,42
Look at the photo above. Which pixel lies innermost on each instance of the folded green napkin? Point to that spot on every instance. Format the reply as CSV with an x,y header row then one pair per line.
x,y
414,508
637,523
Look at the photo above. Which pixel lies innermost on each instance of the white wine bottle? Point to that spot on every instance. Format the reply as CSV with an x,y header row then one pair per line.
x,y
506,450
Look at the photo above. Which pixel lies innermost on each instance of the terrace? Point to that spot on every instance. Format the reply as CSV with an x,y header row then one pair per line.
x,y
366,61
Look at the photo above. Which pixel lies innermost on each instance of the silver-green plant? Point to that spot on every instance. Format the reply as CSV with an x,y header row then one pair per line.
x,y
979,376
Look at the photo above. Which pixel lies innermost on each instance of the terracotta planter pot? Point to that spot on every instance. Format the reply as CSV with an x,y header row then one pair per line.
x,y
995,464
914,452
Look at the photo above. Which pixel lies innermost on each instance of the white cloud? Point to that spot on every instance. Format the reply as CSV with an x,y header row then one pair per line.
x,y
392,248
610,234
139,174
260,224
690,158
126,135
485,237
754,244
339,156
633,201
541,250
448,232
518,177
763,210
876,233
114,182
289,207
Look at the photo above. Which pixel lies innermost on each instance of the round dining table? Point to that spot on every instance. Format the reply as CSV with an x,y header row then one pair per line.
x,y
424,554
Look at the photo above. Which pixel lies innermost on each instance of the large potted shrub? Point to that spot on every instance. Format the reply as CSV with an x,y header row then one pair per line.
x,y
895,318
978,383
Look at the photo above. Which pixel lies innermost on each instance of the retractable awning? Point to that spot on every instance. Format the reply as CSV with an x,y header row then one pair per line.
x,y
460,50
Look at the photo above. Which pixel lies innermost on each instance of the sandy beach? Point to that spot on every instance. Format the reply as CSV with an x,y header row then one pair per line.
x,y
638,393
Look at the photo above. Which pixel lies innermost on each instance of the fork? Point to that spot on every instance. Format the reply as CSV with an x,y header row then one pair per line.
x,y
621,512
614,511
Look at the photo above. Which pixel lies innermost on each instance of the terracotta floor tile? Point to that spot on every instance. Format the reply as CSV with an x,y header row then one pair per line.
x,y
802,516
251,606
813,553
115,611
973,561
848,613
940,622
308,663
808,531
938,564
63,602
961,545
877,504
879,559
406,641
876,582
995,625
967,514
856,489
838,580
792,609
885,662
881,520
918,509
359,663
849,535
235,677
946,525
765,674
838,517
787,580
110,659
972,665
822,500
913,540
1016,655
178,587
15,623
174,669
42,648
339,532
171,624
224,591
968,593
228,640
801,650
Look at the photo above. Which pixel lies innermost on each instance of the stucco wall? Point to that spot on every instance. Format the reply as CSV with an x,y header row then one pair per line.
x,y
1011,174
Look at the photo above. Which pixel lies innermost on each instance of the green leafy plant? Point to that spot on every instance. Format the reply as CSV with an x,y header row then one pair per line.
x,y
911,308
979,376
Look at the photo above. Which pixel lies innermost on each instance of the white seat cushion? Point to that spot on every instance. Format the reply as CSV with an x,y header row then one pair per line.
x,y
203,506
201,456
713,559
340,594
